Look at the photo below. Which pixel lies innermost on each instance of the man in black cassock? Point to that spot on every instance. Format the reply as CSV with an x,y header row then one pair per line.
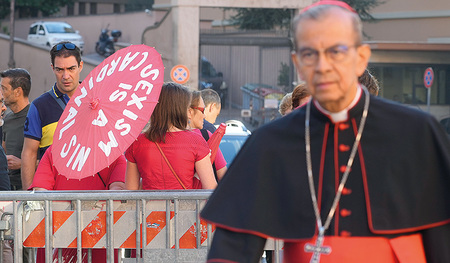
x,y
346,178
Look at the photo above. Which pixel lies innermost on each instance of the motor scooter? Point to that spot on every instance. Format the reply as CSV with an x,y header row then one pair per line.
x,y
105,43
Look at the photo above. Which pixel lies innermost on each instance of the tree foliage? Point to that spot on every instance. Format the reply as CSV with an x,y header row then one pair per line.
x,y
265,18
262,18
47,7
363,7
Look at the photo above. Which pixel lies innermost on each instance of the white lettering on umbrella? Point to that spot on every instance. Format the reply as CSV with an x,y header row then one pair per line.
x,y
102,73
125,86
145,74
136,100
130,114
91,83
77,100
101,119
72,142
113,66
82,156
145,54
106,148
127,60
120,125
121,95
144,84
70,117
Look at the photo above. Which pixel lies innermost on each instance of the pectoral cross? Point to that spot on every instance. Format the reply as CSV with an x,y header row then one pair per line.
x,y
318,249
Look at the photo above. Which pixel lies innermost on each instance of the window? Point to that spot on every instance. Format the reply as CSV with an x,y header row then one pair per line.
x,y
33,30
70,9
116,8
41,30
81,8
404,83
93,8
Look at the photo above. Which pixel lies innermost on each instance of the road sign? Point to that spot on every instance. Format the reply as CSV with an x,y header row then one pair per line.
x,y
428,77
179,74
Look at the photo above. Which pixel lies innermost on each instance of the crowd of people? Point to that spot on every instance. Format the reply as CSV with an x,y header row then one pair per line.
x,y
342,176
171,153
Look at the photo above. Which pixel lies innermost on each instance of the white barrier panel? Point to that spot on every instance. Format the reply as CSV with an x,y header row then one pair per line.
x,y
159,234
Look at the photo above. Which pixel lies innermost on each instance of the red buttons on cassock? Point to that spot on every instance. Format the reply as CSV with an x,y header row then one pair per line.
x,y
345,233
343,147
342,168
346,191
343,126
345,212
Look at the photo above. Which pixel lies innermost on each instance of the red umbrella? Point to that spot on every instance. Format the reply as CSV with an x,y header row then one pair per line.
x,y
214,140
108,111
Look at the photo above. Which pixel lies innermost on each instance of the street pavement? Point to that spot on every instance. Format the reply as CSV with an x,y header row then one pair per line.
x,y
93,58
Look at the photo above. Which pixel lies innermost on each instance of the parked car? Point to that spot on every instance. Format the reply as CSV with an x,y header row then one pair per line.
x,y
235,136
50,33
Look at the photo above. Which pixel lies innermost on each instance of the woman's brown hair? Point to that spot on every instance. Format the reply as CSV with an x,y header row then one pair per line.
x,y
195,100
171,110
300,92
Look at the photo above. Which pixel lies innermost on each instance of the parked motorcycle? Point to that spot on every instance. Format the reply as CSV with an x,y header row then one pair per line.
x,y
105,43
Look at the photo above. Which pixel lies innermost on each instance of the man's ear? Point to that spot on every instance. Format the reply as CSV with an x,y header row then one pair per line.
x,y
214,106
18,91
364,53
209,107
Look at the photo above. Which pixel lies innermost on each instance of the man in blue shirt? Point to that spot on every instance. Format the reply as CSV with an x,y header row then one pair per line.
x,y
212,108
46,110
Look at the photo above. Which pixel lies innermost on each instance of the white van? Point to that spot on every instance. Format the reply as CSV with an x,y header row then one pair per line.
x,y
50,33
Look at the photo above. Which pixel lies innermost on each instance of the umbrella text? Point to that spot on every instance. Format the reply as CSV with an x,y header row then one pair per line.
x,y
109,69
79,155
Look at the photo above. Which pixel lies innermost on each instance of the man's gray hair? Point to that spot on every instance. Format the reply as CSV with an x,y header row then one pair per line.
x,y
317,12
210,96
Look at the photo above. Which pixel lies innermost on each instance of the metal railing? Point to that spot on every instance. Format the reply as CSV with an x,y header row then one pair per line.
x,y
180,209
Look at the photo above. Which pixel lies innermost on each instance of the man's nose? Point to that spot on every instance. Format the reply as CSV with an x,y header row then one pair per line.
x,y
66,74
323,62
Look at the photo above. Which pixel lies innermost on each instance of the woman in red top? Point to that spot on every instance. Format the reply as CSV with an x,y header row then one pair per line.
x,y
186,151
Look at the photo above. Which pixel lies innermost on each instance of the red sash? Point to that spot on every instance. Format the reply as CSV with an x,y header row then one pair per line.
x,y
404,249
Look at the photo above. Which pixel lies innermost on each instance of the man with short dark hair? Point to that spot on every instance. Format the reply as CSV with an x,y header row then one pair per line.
x,y
16,86
349,177
46,110
212,108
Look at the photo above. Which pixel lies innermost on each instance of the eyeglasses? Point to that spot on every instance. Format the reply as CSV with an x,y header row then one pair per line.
x,y
310,56
201,109
68,46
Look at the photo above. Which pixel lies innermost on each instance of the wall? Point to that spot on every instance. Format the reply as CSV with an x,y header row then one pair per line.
x,y
131,24
410,20
246,64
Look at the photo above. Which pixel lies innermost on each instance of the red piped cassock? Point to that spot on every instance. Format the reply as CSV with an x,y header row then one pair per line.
x,y
395,206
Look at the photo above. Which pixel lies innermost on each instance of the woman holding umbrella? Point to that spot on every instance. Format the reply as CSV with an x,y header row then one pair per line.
x,y
167,154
